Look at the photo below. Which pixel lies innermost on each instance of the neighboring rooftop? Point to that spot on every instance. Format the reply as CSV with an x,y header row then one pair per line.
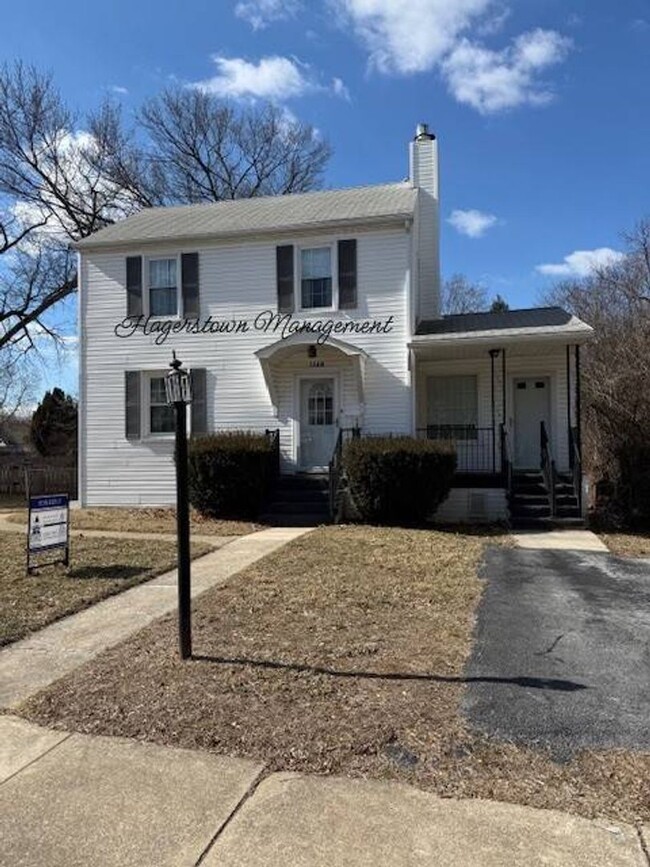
x,y
261,215
553,318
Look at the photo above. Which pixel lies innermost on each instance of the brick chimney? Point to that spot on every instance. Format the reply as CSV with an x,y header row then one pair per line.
x,y
423,174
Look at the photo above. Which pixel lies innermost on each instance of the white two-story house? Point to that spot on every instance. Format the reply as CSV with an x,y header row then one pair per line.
x,y
310,314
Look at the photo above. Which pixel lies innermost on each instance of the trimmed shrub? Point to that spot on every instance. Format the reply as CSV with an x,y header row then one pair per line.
x,y
398,480
231,473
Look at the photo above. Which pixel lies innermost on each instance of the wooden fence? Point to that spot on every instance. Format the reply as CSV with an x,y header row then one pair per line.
x,y
19,480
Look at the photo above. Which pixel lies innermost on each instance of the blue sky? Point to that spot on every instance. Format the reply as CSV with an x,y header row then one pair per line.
x,y
540,107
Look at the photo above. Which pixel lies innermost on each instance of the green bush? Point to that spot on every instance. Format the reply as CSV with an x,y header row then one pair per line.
x,y
231,473
398,480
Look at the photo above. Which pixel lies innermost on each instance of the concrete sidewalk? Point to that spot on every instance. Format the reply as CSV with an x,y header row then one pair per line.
x,y
71,800
38,660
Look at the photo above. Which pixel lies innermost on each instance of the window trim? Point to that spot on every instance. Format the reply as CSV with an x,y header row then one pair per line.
x,y
145,400
297,270
146,301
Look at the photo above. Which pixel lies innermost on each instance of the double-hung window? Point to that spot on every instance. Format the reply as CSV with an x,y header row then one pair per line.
x,y
315,277
161,414
163,287
452,407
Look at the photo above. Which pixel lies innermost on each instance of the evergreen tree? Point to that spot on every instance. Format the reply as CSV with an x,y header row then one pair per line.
x,y
54,425
499,305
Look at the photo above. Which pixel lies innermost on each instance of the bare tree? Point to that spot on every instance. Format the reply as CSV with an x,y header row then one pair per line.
x,y
615,300
460,295
202,149
53,190
63,177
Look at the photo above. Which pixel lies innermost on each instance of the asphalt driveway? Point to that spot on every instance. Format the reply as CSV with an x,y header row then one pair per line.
x,y
562,651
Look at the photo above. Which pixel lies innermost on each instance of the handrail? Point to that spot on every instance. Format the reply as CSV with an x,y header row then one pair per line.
x,y
576,465
548,465
335,465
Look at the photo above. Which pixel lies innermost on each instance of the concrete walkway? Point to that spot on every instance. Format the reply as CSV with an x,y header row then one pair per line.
x,y
559,540
38,660
71,800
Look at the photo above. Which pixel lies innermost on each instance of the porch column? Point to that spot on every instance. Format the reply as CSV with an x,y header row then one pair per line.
x,y
503,385
578,406
493,355
569,400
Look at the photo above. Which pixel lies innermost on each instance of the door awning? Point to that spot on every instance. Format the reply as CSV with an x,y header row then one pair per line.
x,y
272,356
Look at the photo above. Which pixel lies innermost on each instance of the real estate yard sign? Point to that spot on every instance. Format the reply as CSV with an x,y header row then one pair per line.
x,y
48,528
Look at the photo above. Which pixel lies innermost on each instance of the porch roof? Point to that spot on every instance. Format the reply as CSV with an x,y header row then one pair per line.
x,y
508,326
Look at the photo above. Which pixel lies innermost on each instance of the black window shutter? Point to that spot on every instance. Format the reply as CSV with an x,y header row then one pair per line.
x,y
132,404
190,283
134,286
347,274
284,268
199,405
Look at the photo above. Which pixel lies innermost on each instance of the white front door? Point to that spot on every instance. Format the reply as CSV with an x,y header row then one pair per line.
x,y
318,428
532,407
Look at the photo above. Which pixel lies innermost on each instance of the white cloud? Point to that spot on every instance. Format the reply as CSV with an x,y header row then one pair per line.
x,y
492,81
339,89
119,89
272,78
581,263
413,36
407,36
261,13
472,223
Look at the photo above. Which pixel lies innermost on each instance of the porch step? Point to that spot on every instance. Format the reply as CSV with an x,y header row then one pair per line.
x,y
530,501
530,504
299,501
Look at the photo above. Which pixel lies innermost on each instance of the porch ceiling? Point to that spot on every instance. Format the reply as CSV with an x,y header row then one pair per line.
x,y
534,342
272,356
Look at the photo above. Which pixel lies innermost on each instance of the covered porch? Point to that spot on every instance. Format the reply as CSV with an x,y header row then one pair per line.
x,y
505,388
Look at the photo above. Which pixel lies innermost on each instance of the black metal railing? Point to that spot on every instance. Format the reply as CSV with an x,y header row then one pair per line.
x,y
336,466
576,464
273,436
475,446
547,464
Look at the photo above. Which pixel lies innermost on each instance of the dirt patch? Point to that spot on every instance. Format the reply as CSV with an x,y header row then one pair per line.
x,y
145,520
98,568
343,653
628,544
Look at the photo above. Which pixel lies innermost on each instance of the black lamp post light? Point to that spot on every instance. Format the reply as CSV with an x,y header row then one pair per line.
x,y
178,387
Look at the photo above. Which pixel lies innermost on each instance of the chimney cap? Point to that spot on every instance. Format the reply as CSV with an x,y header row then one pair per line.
x,y
422,132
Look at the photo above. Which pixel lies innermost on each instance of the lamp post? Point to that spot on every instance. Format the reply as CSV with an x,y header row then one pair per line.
x,y
179,393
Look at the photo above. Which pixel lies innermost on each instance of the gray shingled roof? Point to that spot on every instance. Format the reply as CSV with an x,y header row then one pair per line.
x,y
534,317
260,215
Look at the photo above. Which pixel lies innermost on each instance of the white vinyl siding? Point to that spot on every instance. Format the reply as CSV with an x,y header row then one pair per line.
x,y
238,281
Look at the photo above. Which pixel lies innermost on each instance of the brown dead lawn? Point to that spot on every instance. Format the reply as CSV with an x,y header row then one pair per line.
x,y
628,544
341,654
98,568
145,520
